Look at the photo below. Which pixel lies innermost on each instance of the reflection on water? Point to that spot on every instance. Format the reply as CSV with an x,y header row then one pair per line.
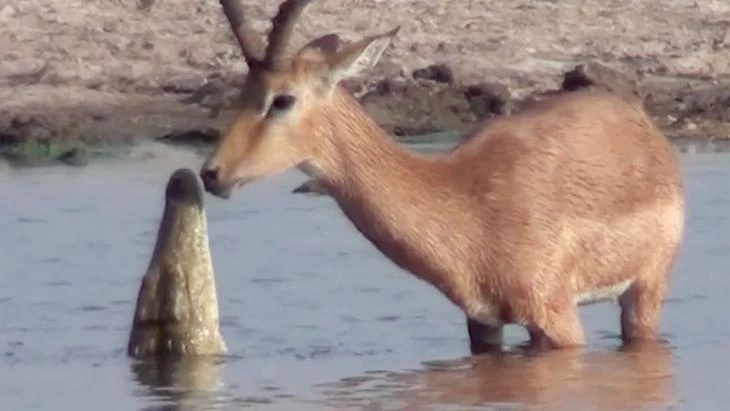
x,y
190,383
625,379
628,378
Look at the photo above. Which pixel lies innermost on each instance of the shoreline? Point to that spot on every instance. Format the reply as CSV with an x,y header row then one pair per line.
x,y
95,82
44,132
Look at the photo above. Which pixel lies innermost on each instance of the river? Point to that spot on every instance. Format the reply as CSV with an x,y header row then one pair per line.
x,y
313,315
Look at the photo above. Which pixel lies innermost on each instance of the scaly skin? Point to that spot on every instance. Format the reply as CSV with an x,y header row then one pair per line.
x,y
177,304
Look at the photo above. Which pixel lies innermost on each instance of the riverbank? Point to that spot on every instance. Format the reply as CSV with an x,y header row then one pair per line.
x,y
75,75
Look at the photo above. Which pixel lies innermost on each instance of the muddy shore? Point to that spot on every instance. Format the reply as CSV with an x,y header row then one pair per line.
x,y
77,74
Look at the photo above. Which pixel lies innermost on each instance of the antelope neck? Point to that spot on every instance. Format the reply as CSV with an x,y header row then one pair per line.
x,y
363,160
394,197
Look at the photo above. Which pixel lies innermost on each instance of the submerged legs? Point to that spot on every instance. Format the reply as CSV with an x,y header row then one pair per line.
x,y
641,307
483,338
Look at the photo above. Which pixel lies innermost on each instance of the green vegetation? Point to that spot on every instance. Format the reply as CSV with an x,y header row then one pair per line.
x,y
38,153
44,152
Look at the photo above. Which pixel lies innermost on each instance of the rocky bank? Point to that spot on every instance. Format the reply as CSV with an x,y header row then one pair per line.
x,y
80,72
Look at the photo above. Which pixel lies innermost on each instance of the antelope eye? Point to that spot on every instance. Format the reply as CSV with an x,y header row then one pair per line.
x,y
283,102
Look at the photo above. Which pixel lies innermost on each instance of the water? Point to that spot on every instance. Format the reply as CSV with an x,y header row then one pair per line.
x,y
313,315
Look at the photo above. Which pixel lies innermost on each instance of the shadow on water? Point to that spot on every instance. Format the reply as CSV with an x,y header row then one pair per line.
x,y
626,378
190,383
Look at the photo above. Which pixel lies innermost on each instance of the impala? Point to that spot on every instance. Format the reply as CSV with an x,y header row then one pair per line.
x,y
574,200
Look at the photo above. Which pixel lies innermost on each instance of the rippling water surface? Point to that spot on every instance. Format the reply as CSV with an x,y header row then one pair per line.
x,y
313,315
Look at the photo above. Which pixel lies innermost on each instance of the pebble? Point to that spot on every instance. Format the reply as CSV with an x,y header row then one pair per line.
x,y
7,12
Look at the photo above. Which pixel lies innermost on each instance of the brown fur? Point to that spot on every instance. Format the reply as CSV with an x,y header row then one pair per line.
x,y
576,194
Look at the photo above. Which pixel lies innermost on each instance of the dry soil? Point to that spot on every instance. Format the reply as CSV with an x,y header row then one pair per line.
x,y
112,70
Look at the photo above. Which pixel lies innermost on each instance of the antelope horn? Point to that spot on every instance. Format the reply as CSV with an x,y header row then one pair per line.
x,y
281,31
248,39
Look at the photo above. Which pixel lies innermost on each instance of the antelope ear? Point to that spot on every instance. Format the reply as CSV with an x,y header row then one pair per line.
x,y
327,44
358,57
319,48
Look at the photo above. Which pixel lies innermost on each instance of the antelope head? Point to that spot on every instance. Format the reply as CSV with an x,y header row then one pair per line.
x,y
285,102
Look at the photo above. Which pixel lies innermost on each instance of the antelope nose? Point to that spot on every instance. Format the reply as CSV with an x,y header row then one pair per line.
x,y
209,175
